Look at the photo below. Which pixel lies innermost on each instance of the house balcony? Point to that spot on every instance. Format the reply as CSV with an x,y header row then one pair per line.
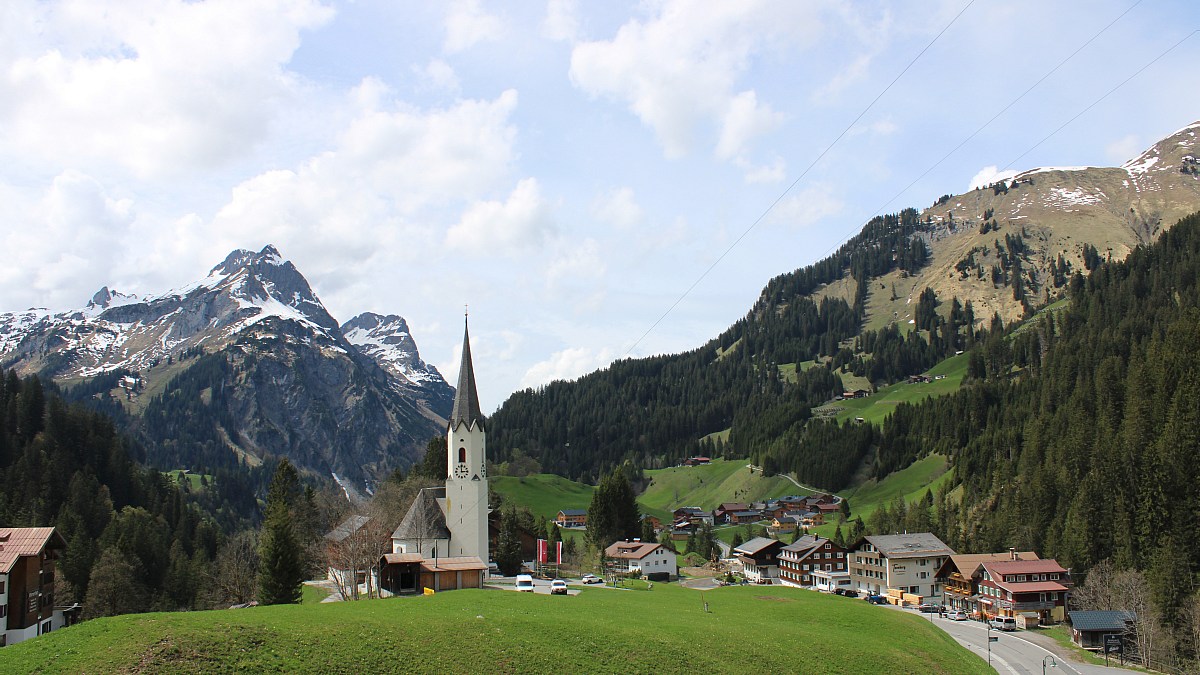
x,y
1034,606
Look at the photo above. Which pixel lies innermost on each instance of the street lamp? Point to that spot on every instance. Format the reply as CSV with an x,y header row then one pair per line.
x,y
1053,663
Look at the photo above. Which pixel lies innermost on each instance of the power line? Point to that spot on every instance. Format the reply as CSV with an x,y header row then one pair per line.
x,y
994,117
789,188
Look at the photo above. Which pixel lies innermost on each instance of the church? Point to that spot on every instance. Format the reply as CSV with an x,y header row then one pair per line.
x,y
442,543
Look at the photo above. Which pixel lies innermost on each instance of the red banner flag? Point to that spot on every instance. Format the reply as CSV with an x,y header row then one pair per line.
x,y
558,545
541,551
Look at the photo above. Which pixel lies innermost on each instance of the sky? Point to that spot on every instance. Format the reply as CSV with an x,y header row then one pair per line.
x,y
572,172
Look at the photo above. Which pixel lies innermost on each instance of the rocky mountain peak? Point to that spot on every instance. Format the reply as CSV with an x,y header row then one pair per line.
x,y
387,340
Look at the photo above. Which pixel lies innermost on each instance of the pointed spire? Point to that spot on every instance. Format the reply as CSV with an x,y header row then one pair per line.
x,y
466,398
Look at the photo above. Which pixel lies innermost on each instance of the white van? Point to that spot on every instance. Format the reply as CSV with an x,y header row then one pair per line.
x,y
1003,623
524,583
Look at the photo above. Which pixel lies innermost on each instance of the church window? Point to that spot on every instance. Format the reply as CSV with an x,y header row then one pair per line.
x,y
462,455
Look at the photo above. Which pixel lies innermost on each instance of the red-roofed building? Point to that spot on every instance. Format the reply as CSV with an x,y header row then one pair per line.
x,y
1017,587
27,556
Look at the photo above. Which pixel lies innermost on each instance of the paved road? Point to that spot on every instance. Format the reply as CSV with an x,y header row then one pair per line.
x,y
1015,652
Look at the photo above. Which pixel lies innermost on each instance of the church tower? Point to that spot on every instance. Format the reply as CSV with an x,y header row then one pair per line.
x,y
467,485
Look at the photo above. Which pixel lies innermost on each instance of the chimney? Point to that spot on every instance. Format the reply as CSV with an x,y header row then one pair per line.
x,y
1013,552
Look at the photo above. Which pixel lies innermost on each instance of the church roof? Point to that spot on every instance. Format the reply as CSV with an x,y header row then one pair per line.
x,y
466,397
424,519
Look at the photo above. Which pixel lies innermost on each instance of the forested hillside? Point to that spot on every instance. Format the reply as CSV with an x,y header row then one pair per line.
x,y
655,411
1079,435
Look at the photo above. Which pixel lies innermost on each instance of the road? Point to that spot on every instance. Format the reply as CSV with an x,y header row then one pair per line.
x,y
1014,652
794,481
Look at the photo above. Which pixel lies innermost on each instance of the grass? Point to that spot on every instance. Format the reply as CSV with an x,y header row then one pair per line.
x,y
663,630
312,595
876,407
910,483
709,486
193,479
545,494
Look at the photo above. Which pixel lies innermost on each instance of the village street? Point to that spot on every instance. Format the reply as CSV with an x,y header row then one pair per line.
x,y
1017,652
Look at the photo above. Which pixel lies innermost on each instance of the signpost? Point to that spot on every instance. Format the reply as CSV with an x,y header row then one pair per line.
x,y
1113,645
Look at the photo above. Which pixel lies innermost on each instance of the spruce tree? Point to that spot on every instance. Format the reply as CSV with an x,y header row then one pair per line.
x,y
281,570
508,548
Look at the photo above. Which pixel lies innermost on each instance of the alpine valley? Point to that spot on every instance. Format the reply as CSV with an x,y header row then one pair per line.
x,y
240,367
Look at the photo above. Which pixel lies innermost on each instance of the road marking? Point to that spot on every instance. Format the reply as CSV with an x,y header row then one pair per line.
x,y
1061,661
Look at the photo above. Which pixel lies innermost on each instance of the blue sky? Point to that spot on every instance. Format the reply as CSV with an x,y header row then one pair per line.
x,y
568,169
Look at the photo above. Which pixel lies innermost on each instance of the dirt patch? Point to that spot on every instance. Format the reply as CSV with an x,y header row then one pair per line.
x,y
699,572
774,598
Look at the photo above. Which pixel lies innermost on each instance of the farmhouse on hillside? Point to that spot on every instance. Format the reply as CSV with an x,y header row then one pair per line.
x,y
651,560
571,518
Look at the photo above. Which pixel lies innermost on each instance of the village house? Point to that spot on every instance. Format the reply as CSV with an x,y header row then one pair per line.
x,y
783,525
959,586
693,515
799,561
1023,588
759,559
721,513
902,566
27,566
696,461
648,559
345,546
571,518
742,517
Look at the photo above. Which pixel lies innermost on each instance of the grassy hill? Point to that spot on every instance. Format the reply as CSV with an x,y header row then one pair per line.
x,y
545,494
708,486
660,631
876,407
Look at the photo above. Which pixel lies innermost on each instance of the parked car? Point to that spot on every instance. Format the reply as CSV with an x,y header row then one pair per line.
x,y
957,615
928,608
876,600
1006,623
525,583
591,579
558,587
850,593
839,591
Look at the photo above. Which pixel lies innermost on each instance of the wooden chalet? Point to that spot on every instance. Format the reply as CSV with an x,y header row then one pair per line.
x,y
1023,587
1088,628
27,570
759,559
571,518
722,512
959,585
808,554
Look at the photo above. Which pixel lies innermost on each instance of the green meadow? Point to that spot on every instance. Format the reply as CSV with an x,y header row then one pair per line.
x,y
665,630
545,494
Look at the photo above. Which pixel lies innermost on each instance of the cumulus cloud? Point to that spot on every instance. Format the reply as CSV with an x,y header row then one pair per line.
x,y
522,221
78,235
567,364
807,207
157,86
576,262
440,76
467,24
618,207
678,70
562,21
988,175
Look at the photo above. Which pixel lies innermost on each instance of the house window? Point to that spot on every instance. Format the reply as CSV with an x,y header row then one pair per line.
x,y
923,575
1054,577
826,545
3,611
1,586
839,566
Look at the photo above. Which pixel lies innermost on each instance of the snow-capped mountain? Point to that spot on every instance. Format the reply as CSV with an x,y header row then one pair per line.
x,y
278,375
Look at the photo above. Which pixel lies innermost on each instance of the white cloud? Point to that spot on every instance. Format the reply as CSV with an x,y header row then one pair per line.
x,y
807,207
523,221
774,172
677,71
156,86
562,20
574,263
1124,149
619,208
988,175
567,364
440,76
467,24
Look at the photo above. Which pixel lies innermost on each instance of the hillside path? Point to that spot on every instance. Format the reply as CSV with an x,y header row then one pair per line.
x,y
794,481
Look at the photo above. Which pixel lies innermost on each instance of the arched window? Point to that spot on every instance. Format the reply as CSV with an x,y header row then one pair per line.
x,y
462,455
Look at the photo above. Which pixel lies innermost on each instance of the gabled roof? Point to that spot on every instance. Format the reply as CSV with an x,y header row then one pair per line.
x,y
967,563
453,564
466,397
757,545
733,506
347,527
1031,586
631,550
1107,620
914,545
805,543
424,519
999,569
19,542
573,512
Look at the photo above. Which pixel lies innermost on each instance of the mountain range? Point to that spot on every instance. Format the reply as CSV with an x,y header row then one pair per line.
x,y
243,365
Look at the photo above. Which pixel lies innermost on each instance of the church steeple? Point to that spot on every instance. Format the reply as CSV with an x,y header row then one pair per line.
x,y
466,398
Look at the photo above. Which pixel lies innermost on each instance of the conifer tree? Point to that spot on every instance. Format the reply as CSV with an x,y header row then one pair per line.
x,y
281,570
